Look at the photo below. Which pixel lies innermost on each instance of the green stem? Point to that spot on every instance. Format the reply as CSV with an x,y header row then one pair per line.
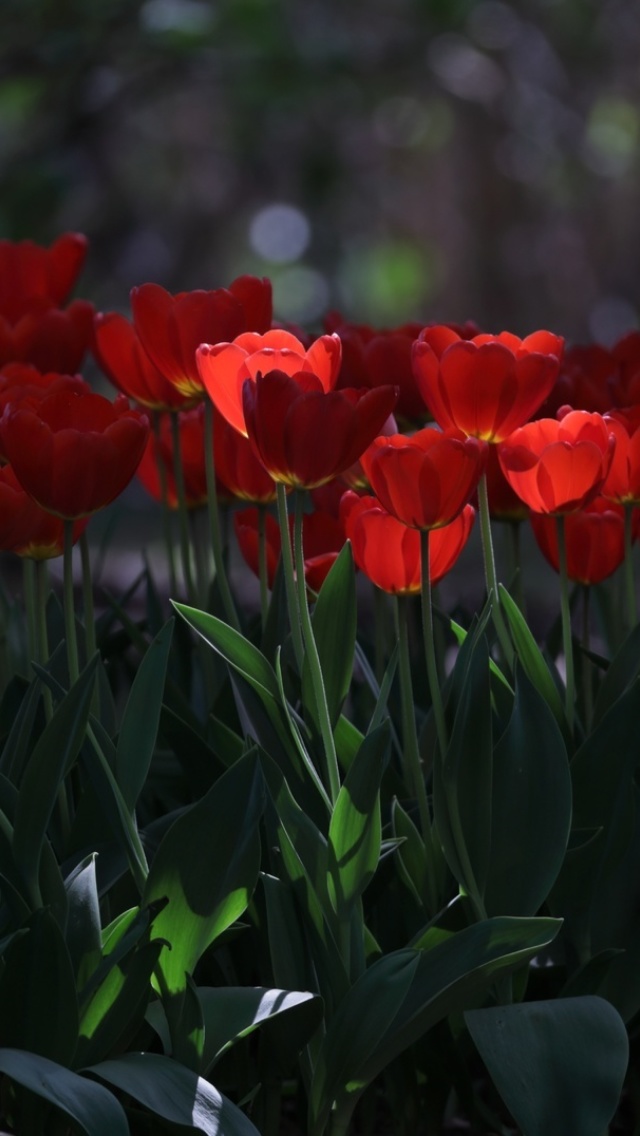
x,y
429,646
214,519
31,604
178,473
262,564
313,659
289,576
42,594
410,749
565,608
490,574
166,510
630,584
69,605
587,687
87,598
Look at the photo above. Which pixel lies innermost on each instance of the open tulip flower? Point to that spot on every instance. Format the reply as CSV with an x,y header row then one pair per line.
x,y
126,364
427,478
305,435
36,278
171,328
388,552
594,539
623,480
73,451
559,465
487,386
225,367
25,528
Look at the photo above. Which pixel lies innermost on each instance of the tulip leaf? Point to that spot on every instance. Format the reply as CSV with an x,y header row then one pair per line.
x,y
116,1008
355,831
531,807
50,761
334,628
234,648
207,866
174,1093
558,1065
621,672
403,995
139,728
84,938
289,956
92,1107
532,659
412,856
18,744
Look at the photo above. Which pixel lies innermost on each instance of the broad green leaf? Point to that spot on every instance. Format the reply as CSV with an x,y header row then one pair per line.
x,y
238,651
138,732
234,1012
531,807
364,1036
19,744
117,1006
334,628
558,1065
348,739
93,1108
174,1093
461,635
411,858
289,956
51,760
355,831
84,932
38,992
207,866
622,671
532,659
118,815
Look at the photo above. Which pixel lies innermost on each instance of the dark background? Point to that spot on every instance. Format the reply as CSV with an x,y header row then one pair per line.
x,y
432,159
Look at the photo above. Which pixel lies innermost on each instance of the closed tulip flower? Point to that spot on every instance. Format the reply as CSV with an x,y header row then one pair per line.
x,y
25,528
34,278
125,362
305,436
52,339
594,539
622,483
238,467
558,466
225,367
487,386
427,478
73,451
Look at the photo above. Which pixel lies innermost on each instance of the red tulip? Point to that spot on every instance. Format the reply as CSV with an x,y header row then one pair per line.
x,y
245,524
558,466
50,338
585,381
594,539
160,449
35,277
125,362
322,539
487,386
72,451
21,384
504,504
237,466
225,367
171,328
622,483
425,479
25,528
304,436
388,552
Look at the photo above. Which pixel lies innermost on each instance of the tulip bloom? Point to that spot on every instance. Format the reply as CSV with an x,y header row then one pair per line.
x,y
25,528
33,277
388,552
587,375
50,338
487,386
425,480
159,449
225,367
171,328
504,503
594,539
322,537
125,362
239,469
559,466
73,451
304,436
623,480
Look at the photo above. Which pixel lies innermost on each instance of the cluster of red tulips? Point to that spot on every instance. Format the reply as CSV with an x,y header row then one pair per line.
x,y
240,406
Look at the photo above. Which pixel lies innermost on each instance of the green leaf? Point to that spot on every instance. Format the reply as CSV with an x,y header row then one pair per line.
x,y
51,760
174,1093
84,933
532,659
234,648
355,831
412,856
622,671
234,1012
559,1065
207,866
531,807
334,627
91,1106
117,1006
18,744
139,729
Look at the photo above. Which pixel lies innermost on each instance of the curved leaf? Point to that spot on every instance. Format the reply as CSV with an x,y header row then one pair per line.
x,y
91,1106
139,729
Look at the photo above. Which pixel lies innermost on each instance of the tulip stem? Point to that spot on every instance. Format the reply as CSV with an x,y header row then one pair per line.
x,y
178,473
214,519
166,511
87,598
565,608
630,584
262,565
28,584
69,606
410,748
289,576
490,574
587,685
42,594
313,658
429,646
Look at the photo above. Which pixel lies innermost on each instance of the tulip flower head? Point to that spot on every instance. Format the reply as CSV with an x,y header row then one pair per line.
x,y
594,538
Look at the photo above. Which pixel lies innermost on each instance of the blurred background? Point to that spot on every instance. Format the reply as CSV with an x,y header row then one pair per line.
x,y
414,159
